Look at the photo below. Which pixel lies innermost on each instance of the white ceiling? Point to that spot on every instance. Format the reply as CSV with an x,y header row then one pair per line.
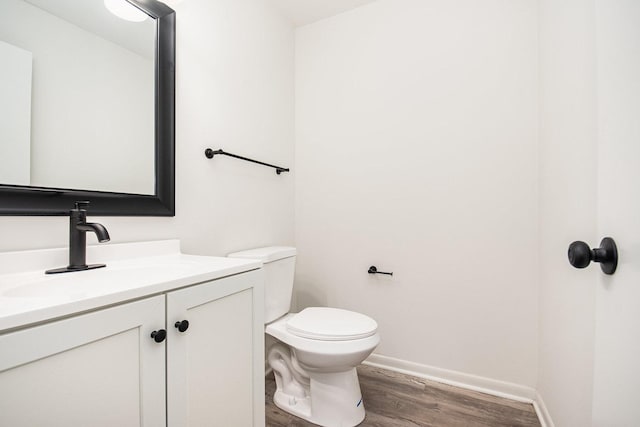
x,y
302,12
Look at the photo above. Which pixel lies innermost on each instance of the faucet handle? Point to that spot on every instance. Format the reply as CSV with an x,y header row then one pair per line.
x,y
82,205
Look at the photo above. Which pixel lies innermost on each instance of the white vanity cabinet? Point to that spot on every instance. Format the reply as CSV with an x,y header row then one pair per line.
x,y
100,369
103,368
215,372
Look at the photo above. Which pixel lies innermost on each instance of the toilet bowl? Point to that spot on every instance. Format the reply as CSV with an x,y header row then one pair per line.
x,y
321,365
316,352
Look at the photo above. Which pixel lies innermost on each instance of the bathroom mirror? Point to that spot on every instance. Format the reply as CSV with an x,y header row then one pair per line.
x,y
87,95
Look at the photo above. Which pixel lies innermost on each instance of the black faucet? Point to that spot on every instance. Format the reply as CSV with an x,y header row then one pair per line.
x,y
78,227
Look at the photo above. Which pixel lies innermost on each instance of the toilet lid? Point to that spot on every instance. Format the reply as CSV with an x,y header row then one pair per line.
x,y
331,324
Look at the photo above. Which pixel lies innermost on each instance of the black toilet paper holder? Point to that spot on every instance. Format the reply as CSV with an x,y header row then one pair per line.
x,y
374,270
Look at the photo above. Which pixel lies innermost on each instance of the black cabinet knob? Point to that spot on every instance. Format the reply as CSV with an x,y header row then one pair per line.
x,y
581,255
182,326
159,336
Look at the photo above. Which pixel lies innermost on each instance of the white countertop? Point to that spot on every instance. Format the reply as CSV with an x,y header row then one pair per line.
x,y
134,270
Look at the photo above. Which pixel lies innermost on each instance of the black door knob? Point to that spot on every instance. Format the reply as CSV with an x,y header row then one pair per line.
x,y
182,326
159,336
580,255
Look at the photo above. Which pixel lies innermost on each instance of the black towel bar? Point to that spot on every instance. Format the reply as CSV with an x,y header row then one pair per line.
x,y
210,153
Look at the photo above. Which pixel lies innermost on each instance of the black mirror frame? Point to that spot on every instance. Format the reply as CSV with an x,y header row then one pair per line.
x,y
18,200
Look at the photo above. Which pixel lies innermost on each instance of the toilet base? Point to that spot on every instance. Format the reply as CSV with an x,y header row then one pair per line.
x,y
300,407
334,400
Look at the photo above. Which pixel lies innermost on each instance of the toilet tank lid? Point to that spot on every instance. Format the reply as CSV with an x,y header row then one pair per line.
x,y
268,254
331,324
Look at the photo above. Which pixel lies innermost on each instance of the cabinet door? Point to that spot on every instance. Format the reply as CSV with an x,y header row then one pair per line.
x,y
215,368
97,369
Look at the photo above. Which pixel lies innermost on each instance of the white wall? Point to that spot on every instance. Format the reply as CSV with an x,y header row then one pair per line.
x,y
568,181
416,151
234,91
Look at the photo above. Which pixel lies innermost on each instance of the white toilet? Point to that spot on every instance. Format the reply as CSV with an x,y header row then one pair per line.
x,y
317,350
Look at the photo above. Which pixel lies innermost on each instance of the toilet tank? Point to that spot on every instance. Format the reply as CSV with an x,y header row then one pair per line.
x,y
279,267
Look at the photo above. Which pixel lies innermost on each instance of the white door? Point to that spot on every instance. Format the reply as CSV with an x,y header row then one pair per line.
x,y
100,369
616,401
215,366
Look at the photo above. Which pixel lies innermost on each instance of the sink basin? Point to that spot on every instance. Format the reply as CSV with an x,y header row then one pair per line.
x,y
44,287
87,283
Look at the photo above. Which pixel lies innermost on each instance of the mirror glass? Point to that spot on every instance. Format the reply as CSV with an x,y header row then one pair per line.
x,y
77,95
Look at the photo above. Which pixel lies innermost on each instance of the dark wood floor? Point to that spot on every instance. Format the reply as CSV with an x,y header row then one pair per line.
x,y
397,400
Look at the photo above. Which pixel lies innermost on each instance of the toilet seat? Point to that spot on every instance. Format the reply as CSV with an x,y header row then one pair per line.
x,y
331,324
278,330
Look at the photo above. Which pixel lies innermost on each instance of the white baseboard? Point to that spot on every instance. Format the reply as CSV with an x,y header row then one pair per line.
x,y
490,386
543,413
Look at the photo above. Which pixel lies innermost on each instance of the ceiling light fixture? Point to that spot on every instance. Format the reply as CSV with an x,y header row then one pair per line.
x,y
172,3
125,10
